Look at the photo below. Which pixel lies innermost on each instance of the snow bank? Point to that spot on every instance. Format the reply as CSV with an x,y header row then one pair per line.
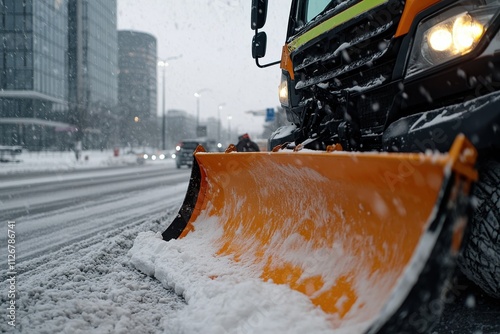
x,y
221,296
66,161
90,287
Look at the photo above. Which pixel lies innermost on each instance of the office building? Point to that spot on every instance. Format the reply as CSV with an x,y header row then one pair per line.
x,y
137,58
180,125
58,72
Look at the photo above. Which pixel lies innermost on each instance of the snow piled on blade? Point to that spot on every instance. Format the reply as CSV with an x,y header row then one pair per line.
x,y
214,285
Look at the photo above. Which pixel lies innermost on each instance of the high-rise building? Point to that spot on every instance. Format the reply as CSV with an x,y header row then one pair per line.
x,y
33,70
180,125
137,58
58,72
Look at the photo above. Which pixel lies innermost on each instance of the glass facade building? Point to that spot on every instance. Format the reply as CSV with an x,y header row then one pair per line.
x,y
99,50
49,51
33,61
137,59
93,68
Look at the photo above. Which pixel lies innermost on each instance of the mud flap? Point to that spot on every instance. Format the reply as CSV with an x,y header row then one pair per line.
x,y
369,237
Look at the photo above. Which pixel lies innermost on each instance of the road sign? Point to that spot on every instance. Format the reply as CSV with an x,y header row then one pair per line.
x,y
270,115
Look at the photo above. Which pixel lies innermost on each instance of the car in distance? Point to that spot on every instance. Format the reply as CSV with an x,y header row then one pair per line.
x,y
184,151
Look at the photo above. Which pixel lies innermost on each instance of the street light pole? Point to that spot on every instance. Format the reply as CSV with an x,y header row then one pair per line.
x,y
218,121
197,110
163,64
163,118
198,95
229,118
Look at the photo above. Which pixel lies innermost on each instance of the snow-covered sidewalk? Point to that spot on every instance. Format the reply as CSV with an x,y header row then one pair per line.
x,y
55,161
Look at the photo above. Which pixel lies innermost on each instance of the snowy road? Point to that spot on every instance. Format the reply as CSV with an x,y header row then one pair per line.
x,y
55,210
73,234
73,230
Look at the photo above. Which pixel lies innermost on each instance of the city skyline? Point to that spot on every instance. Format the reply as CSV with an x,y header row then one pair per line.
x,y
213,39
63,82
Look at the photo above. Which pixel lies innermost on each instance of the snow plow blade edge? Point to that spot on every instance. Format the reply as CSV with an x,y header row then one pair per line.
x,y
370,238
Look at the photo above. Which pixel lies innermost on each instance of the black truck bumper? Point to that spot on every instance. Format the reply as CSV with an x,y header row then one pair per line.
x,y
477,119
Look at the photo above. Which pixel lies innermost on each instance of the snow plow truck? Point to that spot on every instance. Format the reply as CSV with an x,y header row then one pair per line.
x,y
386,177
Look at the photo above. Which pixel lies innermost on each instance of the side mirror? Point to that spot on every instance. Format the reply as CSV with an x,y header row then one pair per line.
x,y
259,41
259,13
259,44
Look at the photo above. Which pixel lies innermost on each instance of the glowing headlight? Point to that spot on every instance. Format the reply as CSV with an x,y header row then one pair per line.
x,y
447,36
440,39
466,33
283,91
456,36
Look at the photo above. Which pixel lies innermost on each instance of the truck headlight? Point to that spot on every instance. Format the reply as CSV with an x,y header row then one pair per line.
x,y
283,91
456,36
447,36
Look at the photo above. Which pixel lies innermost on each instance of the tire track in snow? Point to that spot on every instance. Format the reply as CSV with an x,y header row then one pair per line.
x,y
56,223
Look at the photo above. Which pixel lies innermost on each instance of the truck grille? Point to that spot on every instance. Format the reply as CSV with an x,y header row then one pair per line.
x,y
353,58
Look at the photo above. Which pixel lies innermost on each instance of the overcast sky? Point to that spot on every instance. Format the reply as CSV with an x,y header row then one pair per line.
x,y
214,39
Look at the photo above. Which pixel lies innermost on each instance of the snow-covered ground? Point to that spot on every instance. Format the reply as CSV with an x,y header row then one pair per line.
x,y
88,287
95,286
64,161
130,281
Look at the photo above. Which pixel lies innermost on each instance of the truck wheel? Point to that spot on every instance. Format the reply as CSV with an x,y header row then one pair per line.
x,y
480,257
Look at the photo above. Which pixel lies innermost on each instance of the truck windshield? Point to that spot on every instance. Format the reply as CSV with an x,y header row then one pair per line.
x,y
315,7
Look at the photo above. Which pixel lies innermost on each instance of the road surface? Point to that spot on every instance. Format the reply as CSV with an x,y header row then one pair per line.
x,y
52,210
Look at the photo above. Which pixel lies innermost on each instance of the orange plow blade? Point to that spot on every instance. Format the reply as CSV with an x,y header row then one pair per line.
x,y
362,235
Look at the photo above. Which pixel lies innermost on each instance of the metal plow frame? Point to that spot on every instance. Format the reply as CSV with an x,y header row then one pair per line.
x,y
368,237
